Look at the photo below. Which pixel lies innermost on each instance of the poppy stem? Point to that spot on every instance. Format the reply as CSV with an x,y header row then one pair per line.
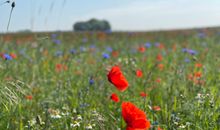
x,y
122,99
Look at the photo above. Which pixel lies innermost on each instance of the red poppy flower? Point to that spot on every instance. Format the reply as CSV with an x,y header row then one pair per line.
x,y
190,76
13,55
158,80
65,67
114,97
143,94
60,67
29,97
158,128
139,73
160,66
135,118
159,57
141,49
116,77
156,108
198,74
161,46
198,65
115,53
174,47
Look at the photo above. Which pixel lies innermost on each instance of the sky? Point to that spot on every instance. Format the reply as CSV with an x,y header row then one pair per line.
x,y
123,15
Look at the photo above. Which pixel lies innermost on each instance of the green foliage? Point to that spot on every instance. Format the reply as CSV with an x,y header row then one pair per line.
x,y
66,100
92,25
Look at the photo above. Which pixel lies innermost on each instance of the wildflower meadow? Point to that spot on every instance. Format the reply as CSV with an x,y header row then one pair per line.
x,y
165,80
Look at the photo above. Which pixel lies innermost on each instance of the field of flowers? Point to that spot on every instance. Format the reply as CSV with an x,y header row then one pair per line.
x,y
110,81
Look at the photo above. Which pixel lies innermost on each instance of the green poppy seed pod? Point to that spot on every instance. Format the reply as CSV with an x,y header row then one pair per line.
x,y
13,4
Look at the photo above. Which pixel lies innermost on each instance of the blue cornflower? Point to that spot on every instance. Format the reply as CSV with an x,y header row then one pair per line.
x,y
59,53
155,123
7,57
109,49
148,44
92,46
91,82
192,52
53,36
157,44
82,49
184,50
105,55
73,51
56,41
84,40
186,60
201,35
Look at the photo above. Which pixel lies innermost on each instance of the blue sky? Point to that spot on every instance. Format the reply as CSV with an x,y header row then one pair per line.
x,y
126,15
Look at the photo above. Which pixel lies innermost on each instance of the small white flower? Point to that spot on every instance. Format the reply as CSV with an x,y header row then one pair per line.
x,y
176,123
182,126
95,113
32,122
55,116
74,110
65,114
79,117
75,124
199,95
89,127
188,123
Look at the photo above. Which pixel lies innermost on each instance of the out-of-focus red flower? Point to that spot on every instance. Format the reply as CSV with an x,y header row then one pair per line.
x,y
190,77
158,128
196,78
9,78
60,67
114,97
174,47
198,65
139,73
143,94
141,49
13,55
160,46
198,74
160,66
115,53
116,77
29,97
135,118
65,67
198,81
159,57
158,80
156,108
